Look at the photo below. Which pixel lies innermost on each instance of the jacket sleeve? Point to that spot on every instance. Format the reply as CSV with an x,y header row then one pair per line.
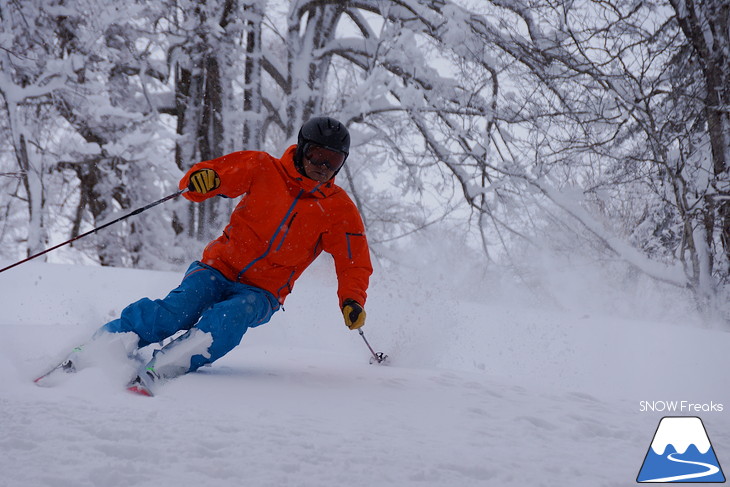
x,y
348,245
235,171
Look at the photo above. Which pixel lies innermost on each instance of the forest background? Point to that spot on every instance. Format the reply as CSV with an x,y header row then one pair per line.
x,y
532,136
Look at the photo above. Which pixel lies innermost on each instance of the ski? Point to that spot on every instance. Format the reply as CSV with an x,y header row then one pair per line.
x,y
143,383
139,388
54,375
66,366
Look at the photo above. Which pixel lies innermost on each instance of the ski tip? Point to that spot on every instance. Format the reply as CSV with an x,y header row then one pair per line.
x,y
43,382
140,390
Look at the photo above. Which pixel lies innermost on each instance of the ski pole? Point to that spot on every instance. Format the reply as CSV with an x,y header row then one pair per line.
x,y
135,212
379,357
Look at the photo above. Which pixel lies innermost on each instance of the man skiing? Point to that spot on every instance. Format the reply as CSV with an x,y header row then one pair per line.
x,y
291,211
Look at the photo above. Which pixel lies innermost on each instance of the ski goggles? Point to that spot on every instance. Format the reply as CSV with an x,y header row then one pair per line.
x,y
324,157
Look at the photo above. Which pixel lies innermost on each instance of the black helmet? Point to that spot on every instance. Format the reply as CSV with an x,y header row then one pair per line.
x,y
327,132
324,131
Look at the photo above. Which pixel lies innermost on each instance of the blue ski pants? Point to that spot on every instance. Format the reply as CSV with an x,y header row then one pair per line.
x,y
206,300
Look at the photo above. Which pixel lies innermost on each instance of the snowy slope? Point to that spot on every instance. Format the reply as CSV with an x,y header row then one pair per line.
x,y
481,392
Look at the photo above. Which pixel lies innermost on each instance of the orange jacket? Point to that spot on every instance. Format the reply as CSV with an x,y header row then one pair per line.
x,y
282,224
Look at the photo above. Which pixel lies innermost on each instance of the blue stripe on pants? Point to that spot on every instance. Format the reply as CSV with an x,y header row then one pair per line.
x,y
205,299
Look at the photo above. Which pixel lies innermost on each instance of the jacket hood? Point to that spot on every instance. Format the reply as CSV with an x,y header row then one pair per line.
x,y
316,188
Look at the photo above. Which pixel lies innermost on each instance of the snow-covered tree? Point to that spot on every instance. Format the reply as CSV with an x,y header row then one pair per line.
x,y
87,80
512,121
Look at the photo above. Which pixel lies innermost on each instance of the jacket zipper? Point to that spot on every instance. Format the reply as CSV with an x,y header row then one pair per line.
x,y
287,285
273,237
286,232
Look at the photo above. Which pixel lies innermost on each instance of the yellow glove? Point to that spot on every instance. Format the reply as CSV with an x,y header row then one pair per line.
x,y
353,313
204,181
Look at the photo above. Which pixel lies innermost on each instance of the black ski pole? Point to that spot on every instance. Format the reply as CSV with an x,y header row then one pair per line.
x,y
135,212
379,357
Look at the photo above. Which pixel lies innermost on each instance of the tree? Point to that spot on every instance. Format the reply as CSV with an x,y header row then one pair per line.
x,y
508,119
83,69
610,106
705,26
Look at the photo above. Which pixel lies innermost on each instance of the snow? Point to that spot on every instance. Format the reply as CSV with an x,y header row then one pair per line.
x,y
485,387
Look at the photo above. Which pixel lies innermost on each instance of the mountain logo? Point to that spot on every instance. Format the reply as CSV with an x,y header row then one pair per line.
x,y
681,452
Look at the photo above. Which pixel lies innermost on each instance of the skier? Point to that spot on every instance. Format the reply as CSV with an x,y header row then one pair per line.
x,y
291,212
